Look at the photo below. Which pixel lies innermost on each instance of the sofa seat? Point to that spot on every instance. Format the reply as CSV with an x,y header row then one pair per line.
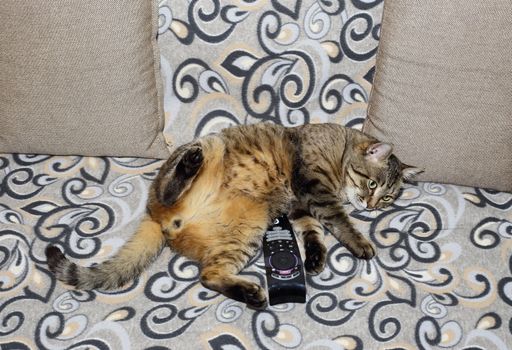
x,y
442,277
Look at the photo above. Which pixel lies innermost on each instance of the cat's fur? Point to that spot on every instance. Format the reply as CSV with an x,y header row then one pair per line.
x,y
214,198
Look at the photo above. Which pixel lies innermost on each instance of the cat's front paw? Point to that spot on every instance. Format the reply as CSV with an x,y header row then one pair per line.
x,y
316,254
360,247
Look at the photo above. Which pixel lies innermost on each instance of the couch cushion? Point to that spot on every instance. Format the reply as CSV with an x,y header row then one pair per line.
x,y
443,89
441,278
80,77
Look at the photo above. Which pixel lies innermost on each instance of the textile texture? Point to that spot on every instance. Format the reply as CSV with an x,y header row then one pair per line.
x,y
443,90
442,277
80,78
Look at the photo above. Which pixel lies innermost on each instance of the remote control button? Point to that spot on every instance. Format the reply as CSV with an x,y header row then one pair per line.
x,y
273,239
283,260
279,239
285,272
279,233
285,277
275,229
286,235
279,277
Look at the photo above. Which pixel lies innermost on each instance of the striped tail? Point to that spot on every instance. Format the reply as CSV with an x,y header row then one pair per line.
x,y
133,258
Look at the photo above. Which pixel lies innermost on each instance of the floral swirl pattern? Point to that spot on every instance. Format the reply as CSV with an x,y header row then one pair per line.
x,y
442,278
265,60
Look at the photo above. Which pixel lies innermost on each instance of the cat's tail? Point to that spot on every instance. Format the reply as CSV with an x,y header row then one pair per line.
x,y
136,255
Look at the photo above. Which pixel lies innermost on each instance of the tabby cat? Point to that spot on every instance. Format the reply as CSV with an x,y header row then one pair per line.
x,y
214,198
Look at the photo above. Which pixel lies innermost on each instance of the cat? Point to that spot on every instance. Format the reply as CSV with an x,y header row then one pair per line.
x,y
214,198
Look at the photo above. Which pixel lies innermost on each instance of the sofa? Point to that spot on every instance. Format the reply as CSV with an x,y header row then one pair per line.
x,y
442,278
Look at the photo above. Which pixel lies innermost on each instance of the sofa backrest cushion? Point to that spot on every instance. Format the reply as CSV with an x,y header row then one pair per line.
x,y
442,92
80,77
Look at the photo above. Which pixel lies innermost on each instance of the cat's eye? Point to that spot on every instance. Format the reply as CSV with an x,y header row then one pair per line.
x,y
372,184
387,198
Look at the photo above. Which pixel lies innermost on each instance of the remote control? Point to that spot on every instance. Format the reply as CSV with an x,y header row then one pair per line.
x,y
283,264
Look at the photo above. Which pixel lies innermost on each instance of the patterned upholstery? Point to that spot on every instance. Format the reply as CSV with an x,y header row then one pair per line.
x,y
443,274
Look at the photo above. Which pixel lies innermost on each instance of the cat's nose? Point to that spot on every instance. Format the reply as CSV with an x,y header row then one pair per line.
x,y
372,203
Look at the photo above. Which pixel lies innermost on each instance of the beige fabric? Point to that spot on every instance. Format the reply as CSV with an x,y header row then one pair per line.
x,y
80,77
443,89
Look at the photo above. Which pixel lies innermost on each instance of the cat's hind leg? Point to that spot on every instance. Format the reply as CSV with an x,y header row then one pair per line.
x,y
220,271
178,173
220,274
312,234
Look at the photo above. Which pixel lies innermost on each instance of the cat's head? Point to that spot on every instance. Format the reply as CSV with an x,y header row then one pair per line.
x,y
375,175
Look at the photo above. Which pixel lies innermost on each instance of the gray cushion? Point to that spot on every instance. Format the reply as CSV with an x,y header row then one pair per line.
x,y
80,77
443,89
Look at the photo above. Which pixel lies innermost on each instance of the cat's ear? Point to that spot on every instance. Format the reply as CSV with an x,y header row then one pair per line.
x,y
409,171
378,152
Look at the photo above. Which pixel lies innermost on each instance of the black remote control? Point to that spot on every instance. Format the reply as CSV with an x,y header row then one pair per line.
x,y
283,264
